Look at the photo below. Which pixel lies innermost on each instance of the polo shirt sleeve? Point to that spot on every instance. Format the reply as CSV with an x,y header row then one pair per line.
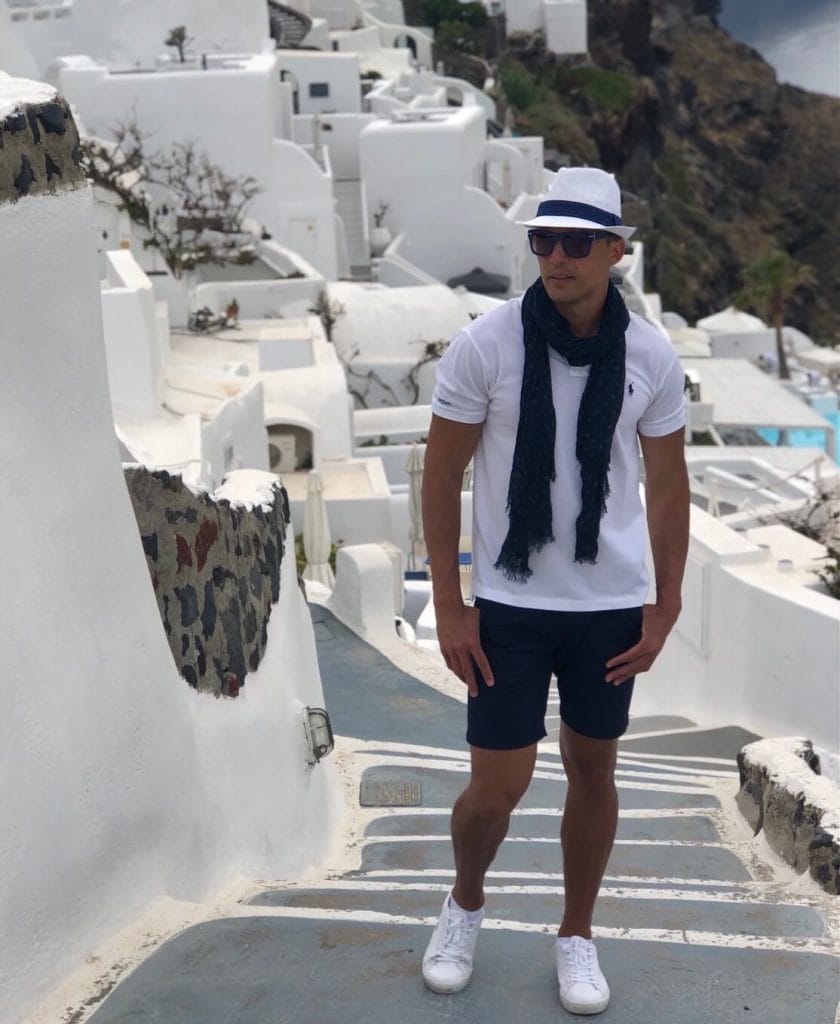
x,y
666,412
462,390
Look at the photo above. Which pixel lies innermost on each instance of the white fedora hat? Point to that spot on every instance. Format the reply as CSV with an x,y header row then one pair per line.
x,y
582,197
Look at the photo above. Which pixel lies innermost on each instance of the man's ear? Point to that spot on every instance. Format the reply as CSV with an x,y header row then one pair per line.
x,y
617,249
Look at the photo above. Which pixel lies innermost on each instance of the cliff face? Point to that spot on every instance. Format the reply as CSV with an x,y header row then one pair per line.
x,y
718,162
729,162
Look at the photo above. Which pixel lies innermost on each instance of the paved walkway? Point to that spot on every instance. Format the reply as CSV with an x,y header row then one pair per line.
x,y
692,928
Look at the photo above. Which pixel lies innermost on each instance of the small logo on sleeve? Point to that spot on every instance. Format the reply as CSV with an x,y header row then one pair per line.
x,y
630,388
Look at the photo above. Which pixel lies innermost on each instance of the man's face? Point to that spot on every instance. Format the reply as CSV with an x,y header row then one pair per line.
x,y
577,283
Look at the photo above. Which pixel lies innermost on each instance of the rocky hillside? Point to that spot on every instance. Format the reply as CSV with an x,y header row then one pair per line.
x,y
719,163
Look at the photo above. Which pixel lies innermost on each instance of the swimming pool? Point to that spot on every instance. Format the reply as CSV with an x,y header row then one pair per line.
x,y
807,438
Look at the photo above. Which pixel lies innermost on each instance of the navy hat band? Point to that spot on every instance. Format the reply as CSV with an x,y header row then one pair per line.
x,y
566,208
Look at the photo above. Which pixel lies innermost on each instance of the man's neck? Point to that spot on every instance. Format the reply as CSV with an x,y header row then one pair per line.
x,y
583,319
581,324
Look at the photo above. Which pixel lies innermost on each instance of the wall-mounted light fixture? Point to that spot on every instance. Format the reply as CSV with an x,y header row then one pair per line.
x,y
319,734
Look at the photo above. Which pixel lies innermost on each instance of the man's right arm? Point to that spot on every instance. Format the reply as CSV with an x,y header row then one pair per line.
x,y
450,447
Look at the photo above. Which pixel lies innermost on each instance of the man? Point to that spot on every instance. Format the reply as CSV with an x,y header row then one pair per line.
x,y
552,393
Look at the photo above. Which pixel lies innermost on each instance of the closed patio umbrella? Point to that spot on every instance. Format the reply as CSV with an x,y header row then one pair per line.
x,y
316,533
414,468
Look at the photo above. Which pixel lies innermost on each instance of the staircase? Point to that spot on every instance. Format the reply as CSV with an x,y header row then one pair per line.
x,y
348,198
288,27
693,926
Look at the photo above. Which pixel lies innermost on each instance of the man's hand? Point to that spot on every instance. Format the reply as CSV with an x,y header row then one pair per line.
x,y
457,629
657,623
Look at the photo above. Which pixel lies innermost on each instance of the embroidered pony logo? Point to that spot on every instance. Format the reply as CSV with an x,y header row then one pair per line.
x,y
630,388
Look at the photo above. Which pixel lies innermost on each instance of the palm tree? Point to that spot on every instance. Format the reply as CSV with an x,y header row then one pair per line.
x,y
769,282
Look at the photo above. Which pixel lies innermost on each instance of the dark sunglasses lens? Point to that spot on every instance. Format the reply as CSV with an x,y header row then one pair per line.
x,y
576,247
542,244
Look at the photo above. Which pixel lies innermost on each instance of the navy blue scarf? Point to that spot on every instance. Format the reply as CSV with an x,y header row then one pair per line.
x,y
529,491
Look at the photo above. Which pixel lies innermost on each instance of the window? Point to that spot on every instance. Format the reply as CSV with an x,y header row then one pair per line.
x,y
319,89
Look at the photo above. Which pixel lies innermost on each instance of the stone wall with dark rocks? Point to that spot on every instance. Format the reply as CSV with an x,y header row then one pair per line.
x,y
39,150
215,570
774,801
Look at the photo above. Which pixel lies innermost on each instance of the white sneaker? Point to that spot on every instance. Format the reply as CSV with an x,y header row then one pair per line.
x,y
448,960
583,988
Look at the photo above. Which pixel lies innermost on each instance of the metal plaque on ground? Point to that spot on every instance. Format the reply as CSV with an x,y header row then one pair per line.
x,y
390,793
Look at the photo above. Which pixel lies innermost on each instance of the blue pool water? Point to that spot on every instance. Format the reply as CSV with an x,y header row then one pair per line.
x,y
807,438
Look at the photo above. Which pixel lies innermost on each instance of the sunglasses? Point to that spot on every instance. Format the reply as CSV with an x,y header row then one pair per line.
x,y
576,247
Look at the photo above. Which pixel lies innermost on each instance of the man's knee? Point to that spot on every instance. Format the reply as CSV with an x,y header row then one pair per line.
x,y
500,778
588,763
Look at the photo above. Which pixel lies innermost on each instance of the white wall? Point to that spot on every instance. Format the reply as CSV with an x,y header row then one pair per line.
x,y
394,323
408,164
363,40
110,794
523,15
340,134
43,31
301,208
341,14
15,56
398,34
316,399
339,71
230,113
133,348
742,345
130,33
235,438
469,230
751,647
233,115
506,171
257,299
565,26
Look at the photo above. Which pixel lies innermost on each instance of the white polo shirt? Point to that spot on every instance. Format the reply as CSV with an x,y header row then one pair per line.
x,y
479,380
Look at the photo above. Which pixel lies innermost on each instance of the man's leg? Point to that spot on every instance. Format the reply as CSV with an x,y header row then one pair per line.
x,y
481,815
589,823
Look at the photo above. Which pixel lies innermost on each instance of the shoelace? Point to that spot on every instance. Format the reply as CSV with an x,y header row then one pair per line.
x,y
458,932
580,959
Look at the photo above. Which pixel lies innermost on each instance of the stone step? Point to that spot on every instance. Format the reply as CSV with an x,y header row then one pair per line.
x,y
697,828
441,787
632,860
288,26
697,914
255,969
349,207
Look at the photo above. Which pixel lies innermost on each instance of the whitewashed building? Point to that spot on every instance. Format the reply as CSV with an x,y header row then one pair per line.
x,y
563,22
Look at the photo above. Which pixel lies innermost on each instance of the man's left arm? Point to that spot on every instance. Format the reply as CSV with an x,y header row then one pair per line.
x,y
667,500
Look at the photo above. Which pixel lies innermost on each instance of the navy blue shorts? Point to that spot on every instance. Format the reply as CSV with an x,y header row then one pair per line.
x,y
524,647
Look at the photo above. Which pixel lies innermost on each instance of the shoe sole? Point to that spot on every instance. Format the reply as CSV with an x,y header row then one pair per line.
x,y
584,1009
446,990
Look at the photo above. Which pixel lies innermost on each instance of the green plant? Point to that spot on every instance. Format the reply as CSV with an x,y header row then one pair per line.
x,y
300,554
375,442
830,574
459,36
551,118
769,282
610,90
519,86
436,12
